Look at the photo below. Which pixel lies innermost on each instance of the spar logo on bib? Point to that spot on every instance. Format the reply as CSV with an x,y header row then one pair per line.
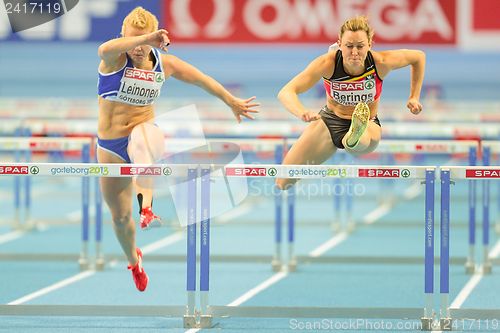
x,y
144,75
369,84
159,77
348,86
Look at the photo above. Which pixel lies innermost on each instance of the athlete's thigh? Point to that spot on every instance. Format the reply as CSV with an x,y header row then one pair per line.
x,y
116,191
314,146
147,143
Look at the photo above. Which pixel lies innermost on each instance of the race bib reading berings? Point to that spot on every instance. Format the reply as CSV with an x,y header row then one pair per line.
x,y
351,93
139,86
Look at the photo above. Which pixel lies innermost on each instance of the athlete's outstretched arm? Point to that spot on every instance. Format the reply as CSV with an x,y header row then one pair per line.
x,y
183,71
113,49
395,59
305,80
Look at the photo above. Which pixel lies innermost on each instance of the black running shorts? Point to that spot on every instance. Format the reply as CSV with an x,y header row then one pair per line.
x,y
337,126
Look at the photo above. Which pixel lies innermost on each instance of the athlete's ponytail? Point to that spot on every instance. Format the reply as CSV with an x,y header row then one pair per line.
x,y
140,18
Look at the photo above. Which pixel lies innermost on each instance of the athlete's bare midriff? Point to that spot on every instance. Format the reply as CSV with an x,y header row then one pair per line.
x,y
117,119
345,112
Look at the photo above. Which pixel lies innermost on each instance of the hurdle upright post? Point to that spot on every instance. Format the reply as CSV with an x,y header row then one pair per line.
x,y
350,222
100,262
445,321
336,225
83,261
190,315
17,186
276,262
428,319
27,186
99,256
487,266
470,264
292,260
205,317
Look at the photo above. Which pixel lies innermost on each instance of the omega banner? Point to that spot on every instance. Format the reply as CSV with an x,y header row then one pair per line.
x,y
466,24
309,21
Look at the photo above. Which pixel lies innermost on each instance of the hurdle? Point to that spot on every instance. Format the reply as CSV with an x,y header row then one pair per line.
x,y
490,148
467,148
203,317
440,131
447,176
437,146
470,149
25,146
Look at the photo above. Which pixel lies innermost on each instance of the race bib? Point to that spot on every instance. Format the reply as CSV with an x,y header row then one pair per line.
x,y
139,86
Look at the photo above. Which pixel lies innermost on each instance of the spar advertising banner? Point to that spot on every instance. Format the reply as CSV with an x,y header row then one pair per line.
x,y
466,24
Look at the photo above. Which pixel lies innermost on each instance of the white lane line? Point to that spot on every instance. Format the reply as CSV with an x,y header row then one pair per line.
x,y
495,251
474,280
10,236
55,286
369,218
164,242
254,291
329,244
467,289
377,213
234,213
169,240
76,216
413,191
193,330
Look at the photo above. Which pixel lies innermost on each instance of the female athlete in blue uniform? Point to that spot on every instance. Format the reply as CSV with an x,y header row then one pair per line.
x,y
131,74
352,75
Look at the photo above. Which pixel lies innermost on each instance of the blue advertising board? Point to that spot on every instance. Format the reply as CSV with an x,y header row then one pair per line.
x,y
88,20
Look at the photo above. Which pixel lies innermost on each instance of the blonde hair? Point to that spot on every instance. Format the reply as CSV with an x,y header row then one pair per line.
x,y
140,18
358,23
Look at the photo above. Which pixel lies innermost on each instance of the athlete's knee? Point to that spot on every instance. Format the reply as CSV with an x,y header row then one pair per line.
x,y
146,143
360,150
122,220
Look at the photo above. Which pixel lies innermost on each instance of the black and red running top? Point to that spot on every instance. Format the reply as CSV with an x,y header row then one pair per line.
x,y
350,90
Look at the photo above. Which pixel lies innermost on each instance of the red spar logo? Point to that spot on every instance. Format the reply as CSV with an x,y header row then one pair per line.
x,y
142,171
378,173
140,74
482,173
13,170
252,172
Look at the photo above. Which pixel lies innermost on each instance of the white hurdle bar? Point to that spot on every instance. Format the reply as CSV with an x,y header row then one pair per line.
x,y
203,317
